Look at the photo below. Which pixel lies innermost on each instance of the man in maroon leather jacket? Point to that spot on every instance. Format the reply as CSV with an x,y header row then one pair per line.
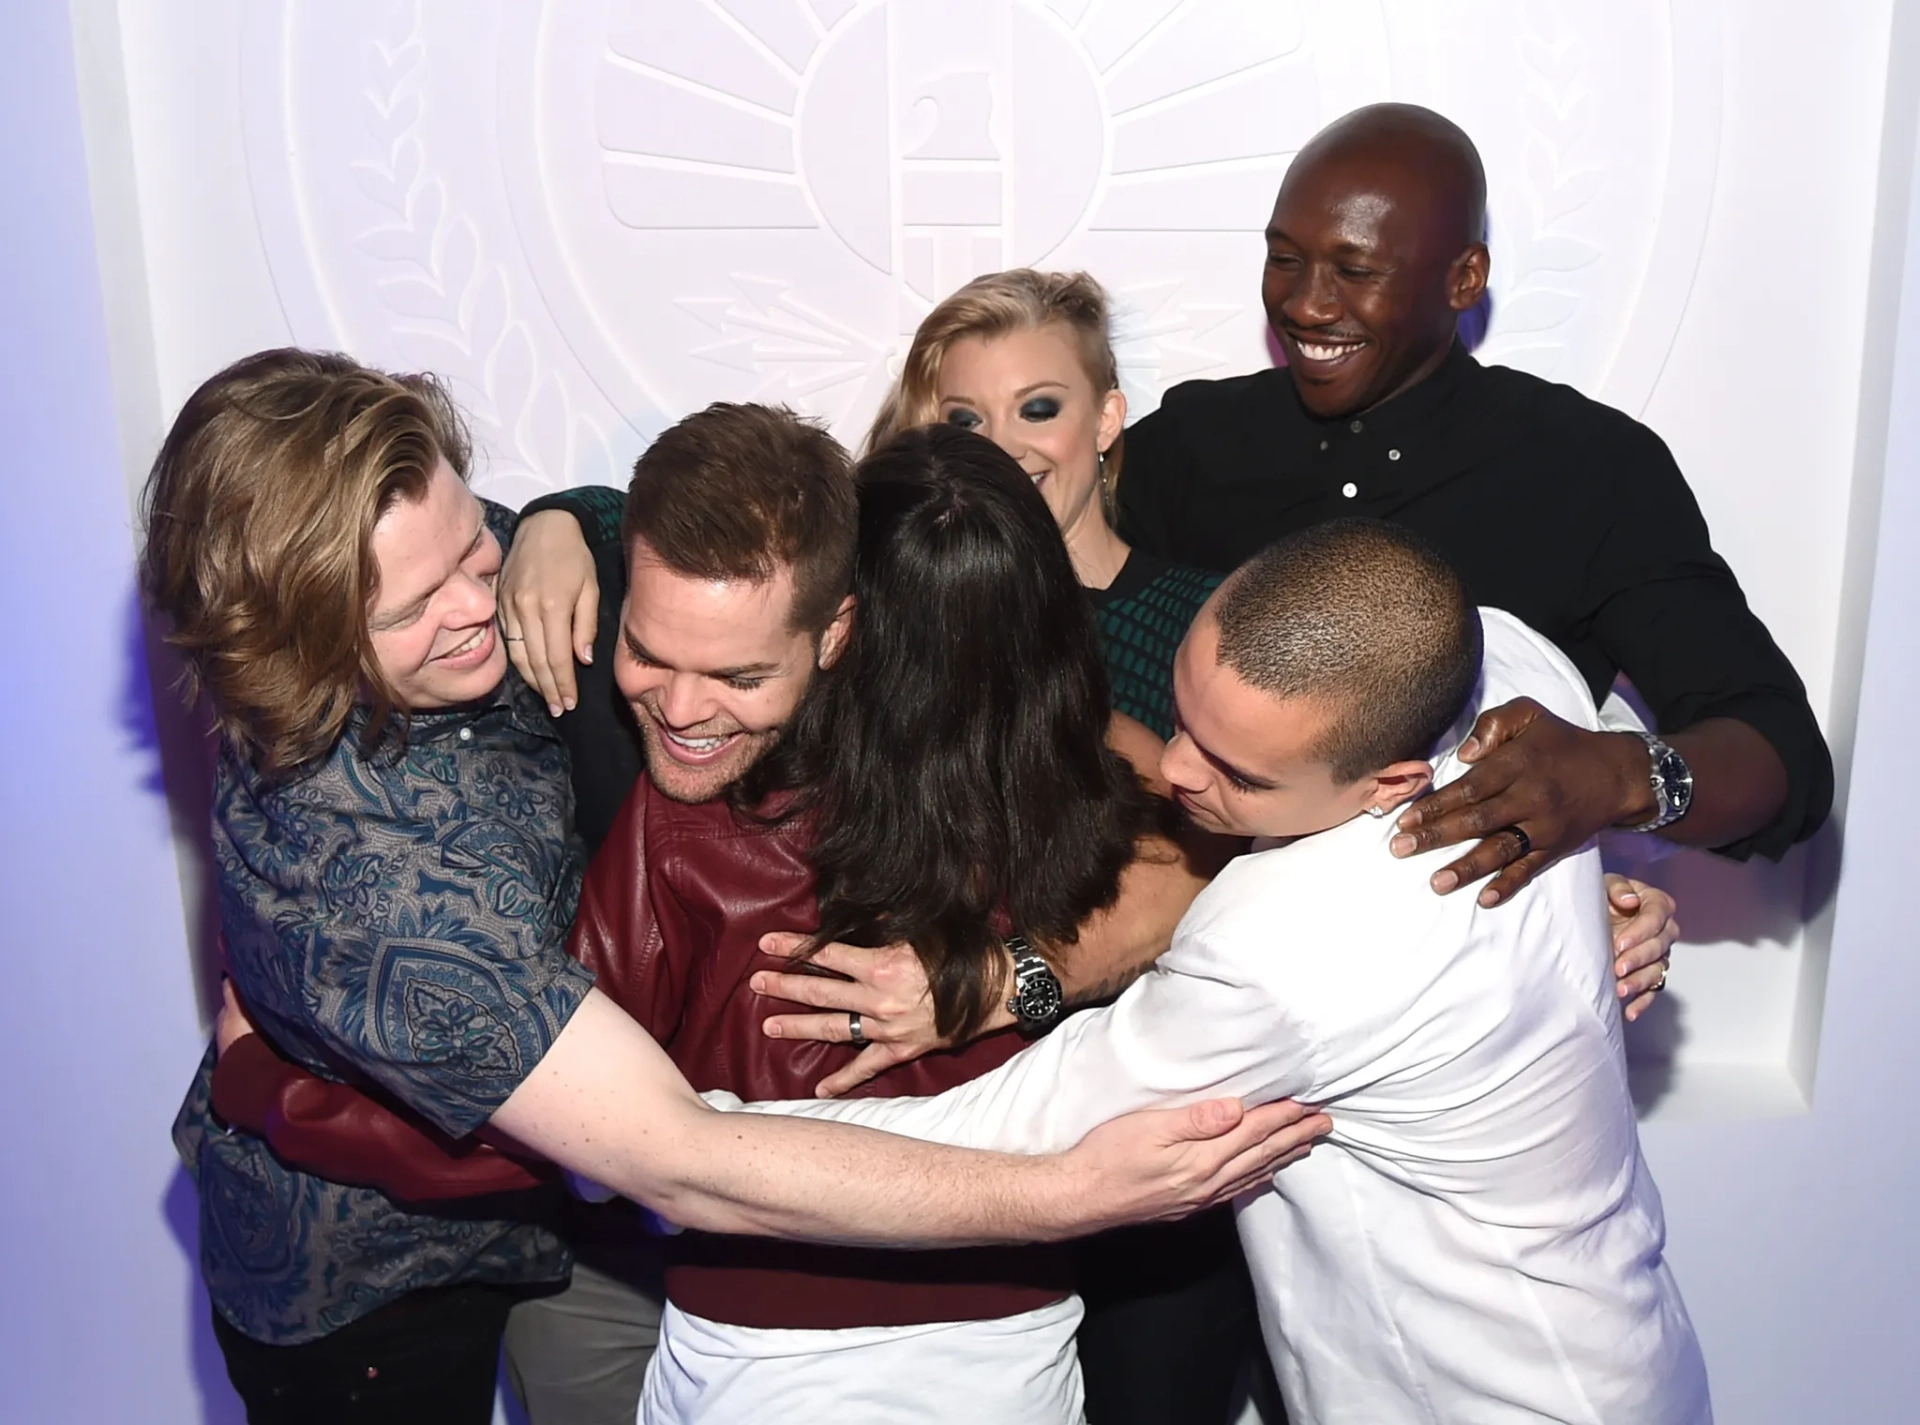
x,y
670,921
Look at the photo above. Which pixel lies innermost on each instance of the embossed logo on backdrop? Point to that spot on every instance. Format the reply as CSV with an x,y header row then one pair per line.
x,y
594,216
764,199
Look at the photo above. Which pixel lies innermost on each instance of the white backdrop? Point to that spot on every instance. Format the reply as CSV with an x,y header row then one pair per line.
x,y
597,215
1697,216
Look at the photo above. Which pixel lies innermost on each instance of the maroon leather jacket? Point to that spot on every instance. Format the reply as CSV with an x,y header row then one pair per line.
x,y
670,919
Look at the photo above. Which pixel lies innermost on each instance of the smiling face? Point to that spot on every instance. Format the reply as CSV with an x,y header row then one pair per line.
x,y
1029,393
1367,273
713,670
432,623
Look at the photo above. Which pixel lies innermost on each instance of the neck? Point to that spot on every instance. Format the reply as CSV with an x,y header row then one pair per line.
x,y
1098,553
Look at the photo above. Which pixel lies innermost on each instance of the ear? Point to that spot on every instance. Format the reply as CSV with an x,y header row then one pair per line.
x,y
1113,419
1467,277
833,641
1398,784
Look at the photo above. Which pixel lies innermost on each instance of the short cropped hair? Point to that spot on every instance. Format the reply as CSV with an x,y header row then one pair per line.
x,y
1366,617
259,514
736,491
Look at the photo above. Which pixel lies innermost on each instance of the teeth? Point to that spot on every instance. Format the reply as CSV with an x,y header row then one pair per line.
x,y
469,645
695,744
1321,351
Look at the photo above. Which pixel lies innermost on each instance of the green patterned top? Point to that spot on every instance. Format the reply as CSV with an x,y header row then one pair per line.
x,y
1142,616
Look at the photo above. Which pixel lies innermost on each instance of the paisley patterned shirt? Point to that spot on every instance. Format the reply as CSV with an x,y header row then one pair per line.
x,y
397,920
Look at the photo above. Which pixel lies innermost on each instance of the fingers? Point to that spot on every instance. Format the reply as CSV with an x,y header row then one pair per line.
x,y
1499,850
586,621
872,1061
535,666
557,631
1641,988
1515,875
832,1028
1470,807
1622,894
1498,725
1272,1151
785,943
822,993
1212,1117
1653,921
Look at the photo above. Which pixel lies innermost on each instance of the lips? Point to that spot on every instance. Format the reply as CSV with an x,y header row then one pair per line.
x,y
1323,352
695,751
472,651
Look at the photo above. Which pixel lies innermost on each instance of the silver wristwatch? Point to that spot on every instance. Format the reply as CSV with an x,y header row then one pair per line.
x,y
1037,1000
1672,781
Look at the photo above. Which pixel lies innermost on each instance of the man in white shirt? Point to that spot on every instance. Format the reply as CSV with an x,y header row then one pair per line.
x,y
1478,1239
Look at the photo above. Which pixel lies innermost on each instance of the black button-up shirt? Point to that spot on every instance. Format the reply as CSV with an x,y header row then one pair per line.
x,y
1560,510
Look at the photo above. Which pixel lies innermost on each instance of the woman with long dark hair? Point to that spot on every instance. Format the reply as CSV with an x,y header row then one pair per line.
x,y
955,757
948,782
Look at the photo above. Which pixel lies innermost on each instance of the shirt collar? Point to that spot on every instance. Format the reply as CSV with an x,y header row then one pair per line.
x,y
1414,408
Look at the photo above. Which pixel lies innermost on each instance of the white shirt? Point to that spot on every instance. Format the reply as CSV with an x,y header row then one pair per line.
x,y
1478,1240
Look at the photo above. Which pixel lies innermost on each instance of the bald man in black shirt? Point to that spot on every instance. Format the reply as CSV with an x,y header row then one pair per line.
x,y
1563,511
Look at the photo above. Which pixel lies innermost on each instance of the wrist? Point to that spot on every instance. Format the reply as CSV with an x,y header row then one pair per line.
x,y
1634,802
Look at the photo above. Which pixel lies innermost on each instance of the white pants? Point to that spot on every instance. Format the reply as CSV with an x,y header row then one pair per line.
x,y
1019,1370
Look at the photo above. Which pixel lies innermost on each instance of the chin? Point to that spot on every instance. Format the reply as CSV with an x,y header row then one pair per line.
x,y
451,689
680,782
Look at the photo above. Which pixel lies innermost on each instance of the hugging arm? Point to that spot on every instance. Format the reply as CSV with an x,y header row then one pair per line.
x,y
1181,1034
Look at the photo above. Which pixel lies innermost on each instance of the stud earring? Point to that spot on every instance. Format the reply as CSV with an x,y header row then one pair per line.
x,y
1376,812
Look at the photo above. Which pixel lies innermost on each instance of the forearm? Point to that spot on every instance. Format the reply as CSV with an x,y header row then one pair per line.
x,y
607,1103
1044,1100
1739,783
1119,944
1142,1052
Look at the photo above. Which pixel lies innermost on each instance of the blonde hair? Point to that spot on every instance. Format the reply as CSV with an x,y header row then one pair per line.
x,y
1019,299
259,514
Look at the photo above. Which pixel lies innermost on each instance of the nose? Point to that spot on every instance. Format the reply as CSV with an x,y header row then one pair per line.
x,y
685,700
475,603
1181,766
1311,301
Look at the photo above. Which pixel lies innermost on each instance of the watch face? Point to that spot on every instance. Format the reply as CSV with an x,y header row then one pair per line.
x,y
1039,999
1677,778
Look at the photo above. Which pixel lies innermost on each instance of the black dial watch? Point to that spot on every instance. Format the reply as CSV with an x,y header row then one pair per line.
x,y
1672,782
1037,1000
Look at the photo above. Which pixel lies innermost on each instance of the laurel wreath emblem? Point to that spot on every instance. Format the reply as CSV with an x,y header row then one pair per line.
x,y
447,299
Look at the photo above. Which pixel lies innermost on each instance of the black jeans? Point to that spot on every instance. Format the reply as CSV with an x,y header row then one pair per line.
x,y
429,1358
1170,1324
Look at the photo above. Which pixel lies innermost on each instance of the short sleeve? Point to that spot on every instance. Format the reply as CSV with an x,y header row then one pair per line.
x,y
426,957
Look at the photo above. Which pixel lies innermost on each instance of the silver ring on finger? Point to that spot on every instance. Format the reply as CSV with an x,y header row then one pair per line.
x,y
856,1035
1666,964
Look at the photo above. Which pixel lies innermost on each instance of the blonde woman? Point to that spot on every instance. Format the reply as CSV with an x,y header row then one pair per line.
x,y
1023,358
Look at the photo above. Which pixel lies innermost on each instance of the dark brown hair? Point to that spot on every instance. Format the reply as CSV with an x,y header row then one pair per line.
x,y
955,755
1365,616
259,516
736,491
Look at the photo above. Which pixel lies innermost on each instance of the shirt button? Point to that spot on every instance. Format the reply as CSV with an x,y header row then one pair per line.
x,y
1323,445
1393,455
466,734
1349,489
1357,426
